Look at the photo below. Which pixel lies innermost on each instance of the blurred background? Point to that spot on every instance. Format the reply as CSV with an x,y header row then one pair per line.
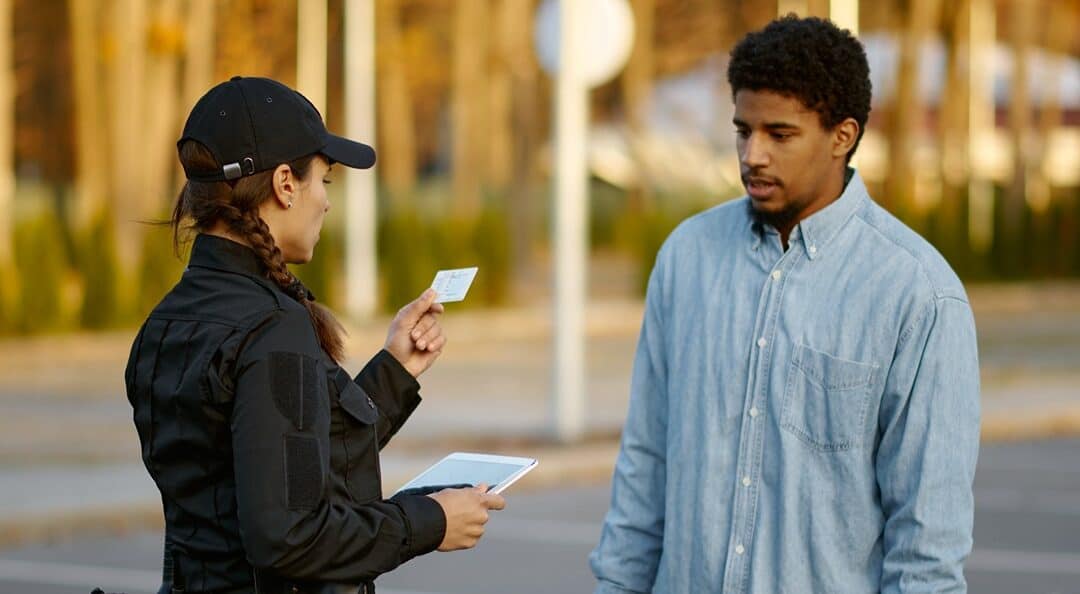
x,y
973,140
974,137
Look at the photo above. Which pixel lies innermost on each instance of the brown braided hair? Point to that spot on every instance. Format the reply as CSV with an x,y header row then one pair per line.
x,y
237,205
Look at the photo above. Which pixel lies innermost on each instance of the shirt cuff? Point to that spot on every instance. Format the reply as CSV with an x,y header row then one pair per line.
x,y
426,523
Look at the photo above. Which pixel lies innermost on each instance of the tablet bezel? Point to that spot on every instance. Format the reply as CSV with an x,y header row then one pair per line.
x,y
525,465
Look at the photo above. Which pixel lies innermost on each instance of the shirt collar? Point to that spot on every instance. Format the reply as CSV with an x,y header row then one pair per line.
x,y
821,227
212,251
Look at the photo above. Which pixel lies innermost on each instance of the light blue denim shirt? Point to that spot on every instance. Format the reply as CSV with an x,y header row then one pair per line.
x,y
800,422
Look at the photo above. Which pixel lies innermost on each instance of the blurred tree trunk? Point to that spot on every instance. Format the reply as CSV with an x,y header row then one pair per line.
x,y
516,24
199,51
166,46
241,44
1060,19
91,133
501,91
469,104
982,108
311,33
126,37
907,108
637,85
396,129
1015,203
198,77
7,142
953,132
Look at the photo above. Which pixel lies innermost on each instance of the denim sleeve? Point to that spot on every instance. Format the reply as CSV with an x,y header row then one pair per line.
x,y
929,424
626,559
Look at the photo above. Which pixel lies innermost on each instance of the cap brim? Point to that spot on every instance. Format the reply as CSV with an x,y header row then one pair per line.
x,y
348,152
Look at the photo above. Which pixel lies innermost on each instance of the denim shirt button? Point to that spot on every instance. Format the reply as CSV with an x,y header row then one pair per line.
x,y
753,411
739,550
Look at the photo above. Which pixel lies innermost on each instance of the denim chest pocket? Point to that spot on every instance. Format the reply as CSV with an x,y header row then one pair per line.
x,y
356,444
826,400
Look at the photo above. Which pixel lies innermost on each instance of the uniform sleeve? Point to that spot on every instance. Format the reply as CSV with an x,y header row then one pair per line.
x,y
926,459
280,439
626,559
395,391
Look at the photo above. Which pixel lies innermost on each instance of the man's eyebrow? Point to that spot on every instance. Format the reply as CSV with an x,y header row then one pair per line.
x,y
780,126
768,125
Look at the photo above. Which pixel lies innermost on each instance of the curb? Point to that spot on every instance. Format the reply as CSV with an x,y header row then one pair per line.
x,y
1048,424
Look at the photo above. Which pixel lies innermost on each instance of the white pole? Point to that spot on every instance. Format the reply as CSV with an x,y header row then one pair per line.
x,y
311,24
845,14
568,229
360,271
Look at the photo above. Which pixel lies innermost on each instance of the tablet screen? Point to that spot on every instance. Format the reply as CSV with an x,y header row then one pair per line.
x,y
464,468
473,472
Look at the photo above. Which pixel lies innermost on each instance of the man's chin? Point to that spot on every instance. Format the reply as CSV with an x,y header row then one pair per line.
x,y
772,212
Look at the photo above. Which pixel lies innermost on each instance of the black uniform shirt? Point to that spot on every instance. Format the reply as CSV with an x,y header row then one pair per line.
x,y
265,451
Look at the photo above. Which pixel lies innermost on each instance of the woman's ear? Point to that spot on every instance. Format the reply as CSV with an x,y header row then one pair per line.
x,y
285,185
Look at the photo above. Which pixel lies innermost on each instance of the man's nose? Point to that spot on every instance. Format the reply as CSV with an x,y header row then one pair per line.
x,y
755,153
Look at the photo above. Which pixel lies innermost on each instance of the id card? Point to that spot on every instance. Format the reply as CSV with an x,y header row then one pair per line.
x,y
452,285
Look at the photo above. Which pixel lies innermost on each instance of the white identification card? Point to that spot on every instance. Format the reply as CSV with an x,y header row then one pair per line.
x,y
452,285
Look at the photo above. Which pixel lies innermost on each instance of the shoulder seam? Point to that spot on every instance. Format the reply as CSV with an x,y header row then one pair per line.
x,y
938,293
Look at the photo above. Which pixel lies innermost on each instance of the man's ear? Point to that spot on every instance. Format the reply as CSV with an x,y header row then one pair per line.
x,y
844,136
285,183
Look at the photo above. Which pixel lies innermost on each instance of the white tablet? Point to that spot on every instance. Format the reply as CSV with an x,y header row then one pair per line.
x,y
498,472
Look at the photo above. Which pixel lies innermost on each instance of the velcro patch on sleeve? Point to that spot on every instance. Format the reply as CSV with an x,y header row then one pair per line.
x,y
295,386
303,472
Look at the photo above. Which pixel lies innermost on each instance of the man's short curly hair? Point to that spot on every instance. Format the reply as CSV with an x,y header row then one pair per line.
x,y
809,59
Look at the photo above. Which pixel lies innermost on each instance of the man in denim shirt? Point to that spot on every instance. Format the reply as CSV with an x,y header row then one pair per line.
x,y
804,411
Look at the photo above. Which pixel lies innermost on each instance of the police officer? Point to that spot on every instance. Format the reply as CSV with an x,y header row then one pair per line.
x,y
264,449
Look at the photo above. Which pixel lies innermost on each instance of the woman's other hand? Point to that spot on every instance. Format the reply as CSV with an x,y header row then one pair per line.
x,y
416,338
466,513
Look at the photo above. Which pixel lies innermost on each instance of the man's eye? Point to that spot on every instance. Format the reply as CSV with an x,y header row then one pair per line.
x,y
326,181
742,133
780,136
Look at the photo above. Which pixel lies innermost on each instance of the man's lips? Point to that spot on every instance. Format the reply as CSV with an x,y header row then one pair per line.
x,y
760,187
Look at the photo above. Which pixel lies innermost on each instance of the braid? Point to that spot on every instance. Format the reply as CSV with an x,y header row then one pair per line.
x,y
255,230
238,207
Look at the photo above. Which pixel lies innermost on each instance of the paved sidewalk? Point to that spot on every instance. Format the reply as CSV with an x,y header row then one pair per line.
x,y
69,457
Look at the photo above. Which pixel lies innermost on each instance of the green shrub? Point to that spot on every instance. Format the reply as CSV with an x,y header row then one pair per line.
x,y
492,244
99,269
160,267
642,233
413,247
41,266
321,275
406,256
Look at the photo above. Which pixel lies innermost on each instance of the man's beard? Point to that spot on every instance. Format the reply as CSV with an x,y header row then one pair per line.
x,y
777,220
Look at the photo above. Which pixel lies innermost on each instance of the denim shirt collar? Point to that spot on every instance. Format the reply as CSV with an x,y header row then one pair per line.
x,y
820,228
816,231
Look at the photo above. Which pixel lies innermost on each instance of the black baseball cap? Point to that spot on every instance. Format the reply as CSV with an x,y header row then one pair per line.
x,y
252,124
